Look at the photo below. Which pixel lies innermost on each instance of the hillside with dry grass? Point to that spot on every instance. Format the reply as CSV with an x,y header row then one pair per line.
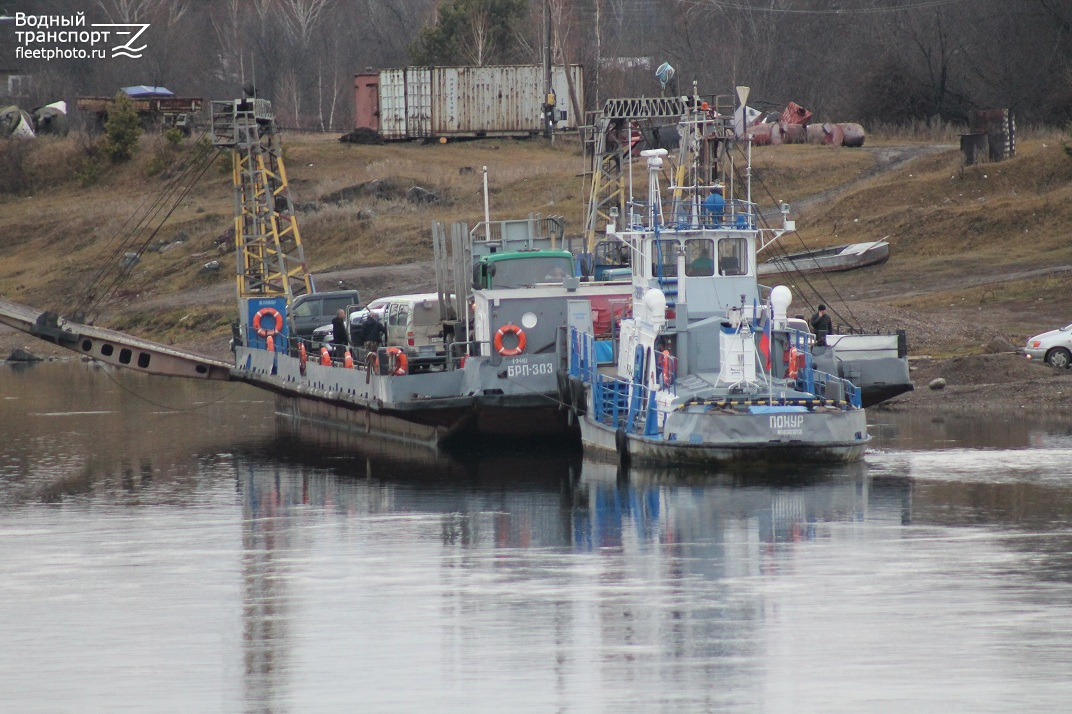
x,y
977,252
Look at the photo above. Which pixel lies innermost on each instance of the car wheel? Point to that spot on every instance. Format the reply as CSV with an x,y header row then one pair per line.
x,y
1058,357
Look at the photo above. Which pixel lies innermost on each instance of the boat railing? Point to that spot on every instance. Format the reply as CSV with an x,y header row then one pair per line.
x,y
813,381
687,214
619,403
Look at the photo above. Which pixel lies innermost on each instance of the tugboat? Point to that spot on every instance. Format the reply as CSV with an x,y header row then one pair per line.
x,y
709,369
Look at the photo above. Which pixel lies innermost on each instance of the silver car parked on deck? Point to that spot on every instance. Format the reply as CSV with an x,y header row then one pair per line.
x,y
1055,347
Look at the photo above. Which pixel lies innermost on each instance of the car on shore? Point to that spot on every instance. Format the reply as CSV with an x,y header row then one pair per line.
x,y
1053,347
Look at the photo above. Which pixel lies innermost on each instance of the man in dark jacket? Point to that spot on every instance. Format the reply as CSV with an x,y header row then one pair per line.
x,y
340,337
821,325
374,333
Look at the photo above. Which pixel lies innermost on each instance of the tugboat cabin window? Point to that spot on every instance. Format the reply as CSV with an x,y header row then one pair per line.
x,y
664,258
733,256
699,260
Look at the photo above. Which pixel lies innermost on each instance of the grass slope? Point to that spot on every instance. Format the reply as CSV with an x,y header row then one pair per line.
x,y
977,252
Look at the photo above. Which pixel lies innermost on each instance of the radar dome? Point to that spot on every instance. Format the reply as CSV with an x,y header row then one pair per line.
x,y
780,298
655,303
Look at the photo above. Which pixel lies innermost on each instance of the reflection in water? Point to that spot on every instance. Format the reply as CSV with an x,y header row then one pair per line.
x,y
930,431
233,562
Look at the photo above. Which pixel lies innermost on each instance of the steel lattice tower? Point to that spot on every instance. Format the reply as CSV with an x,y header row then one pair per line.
x,y
268,247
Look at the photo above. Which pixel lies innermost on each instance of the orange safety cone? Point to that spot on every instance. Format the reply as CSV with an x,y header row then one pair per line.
x,y
348,361
325,357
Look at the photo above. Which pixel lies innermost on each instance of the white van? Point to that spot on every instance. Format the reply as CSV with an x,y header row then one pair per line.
x,y
414,323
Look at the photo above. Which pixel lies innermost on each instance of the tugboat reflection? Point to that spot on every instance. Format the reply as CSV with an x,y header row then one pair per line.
x,y
423,510
546,498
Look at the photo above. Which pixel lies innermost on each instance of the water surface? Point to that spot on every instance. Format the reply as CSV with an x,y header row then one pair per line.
x,y
167,545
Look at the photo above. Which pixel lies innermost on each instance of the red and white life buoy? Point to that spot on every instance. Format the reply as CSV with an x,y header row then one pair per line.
x,y
510,330
398,361
303,357
792,362
267,312
667,375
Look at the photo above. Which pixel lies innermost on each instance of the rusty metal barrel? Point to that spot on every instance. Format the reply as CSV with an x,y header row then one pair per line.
x,y
854,134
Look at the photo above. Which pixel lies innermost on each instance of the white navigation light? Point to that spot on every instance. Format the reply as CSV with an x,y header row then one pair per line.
x,y
780,298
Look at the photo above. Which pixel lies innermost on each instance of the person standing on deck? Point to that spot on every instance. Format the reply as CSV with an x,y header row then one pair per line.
x,y
821,325
340,337
715,205
375,333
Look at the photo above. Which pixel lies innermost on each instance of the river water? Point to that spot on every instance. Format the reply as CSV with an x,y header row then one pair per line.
x,y
167,546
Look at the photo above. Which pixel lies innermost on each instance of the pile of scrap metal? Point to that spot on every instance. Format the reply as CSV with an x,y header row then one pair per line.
x,y
19,124
793,126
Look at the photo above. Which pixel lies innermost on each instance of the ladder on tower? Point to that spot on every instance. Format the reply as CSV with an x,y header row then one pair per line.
x,y
270,258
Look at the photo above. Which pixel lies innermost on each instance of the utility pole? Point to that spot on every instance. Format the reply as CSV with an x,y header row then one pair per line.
x,y
548,109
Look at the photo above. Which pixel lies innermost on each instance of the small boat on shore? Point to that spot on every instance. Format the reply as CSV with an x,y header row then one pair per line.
x,y
829,260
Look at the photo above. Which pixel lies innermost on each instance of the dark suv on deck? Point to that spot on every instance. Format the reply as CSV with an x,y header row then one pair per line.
x,y
309,312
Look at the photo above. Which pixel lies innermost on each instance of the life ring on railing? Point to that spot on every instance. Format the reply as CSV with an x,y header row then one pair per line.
x,y
667,376
269,312
792,362
303,356
510,330
398,360
348,360
325,357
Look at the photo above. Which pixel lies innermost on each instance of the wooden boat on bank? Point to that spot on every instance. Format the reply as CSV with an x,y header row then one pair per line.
x,y
829,260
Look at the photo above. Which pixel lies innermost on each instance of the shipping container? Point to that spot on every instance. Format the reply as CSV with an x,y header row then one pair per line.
x,y
434,102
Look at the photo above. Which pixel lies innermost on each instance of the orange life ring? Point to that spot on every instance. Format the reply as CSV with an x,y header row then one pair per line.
x,y
325,357
269,342
510,330
399,360
792,363
270,312
303,356
666,367
348,360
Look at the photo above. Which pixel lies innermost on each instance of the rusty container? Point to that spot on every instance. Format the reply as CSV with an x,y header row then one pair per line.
x,y
503,100
826,134
367,101
794,133
393,104
854,134
760,134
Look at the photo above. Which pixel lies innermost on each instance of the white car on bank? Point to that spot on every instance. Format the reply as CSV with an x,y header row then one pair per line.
x,y
1055,347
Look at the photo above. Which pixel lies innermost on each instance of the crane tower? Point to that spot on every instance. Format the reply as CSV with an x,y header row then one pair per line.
x,y
271,269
